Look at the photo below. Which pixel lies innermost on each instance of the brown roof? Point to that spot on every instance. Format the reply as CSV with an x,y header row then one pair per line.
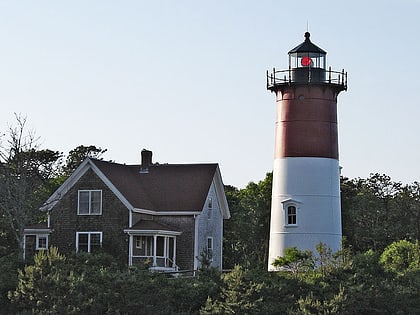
x,y
166,187
42,225
147,225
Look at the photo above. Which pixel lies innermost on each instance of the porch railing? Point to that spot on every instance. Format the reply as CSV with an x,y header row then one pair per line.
x,y
160,262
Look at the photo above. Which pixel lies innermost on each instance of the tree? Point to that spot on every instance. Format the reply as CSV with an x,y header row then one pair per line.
x,y
295,261
246,234
26,174
79,154
400,257
239,295
377,211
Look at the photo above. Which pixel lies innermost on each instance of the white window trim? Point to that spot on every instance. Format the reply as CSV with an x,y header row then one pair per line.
x,y
90,199
37,247
89,233
210,250
286,214
209,208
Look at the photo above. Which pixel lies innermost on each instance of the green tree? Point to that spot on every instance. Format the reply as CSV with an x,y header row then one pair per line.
x,y
400,257
295,261
26,179
79,154
239,295
377,211
246,234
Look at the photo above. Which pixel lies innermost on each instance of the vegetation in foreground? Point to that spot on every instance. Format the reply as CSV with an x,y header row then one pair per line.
x,y
367,283
377,272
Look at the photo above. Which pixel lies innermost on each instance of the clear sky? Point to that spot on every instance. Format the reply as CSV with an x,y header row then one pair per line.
x,y
186,79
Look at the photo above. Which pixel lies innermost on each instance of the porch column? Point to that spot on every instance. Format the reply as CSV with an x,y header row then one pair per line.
x,y
165,250
130,250
24,247
174,256
154,249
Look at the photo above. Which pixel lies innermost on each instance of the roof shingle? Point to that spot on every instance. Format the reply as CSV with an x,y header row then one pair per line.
x,y
166,187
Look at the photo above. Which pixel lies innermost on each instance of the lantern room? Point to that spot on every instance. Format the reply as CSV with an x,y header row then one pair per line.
x,y
307,65
307,62
307,55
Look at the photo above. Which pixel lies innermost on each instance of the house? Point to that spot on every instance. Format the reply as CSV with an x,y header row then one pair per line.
x,y
167,215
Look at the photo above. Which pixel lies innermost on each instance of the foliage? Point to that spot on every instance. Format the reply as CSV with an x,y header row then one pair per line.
x,y
247,232
26,179
8,280
401,257
377,211
295,261
238,295
79,154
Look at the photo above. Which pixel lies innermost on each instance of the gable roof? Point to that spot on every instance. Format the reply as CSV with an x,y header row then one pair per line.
x,y
167,188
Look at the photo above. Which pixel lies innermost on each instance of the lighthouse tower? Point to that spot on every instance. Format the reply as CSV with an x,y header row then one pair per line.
x,y
305,206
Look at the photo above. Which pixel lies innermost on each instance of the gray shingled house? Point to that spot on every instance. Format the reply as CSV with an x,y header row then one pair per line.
x,y
167,215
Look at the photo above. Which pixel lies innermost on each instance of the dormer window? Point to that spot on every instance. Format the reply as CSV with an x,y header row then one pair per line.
x,y
89,202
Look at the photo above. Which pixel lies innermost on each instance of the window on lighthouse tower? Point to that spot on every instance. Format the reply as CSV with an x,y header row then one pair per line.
x,y
291,215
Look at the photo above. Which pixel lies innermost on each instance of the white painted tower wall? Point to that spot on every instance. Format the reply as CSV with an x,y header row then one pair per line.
x,y
312,185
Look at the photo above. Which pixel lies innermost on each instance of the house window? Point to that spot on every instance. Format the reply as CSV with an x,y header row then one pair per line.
x,y
90,202
209,208
291,215
88,241
210,245
144,245
41,242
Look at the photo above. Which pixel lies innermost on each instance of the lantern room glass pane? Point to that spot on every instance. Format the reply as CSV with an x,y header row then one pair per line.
x,y
305,60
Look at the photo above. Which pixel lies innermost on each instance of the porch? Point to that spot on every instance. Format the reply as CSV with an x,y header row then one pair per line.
x,y
153,245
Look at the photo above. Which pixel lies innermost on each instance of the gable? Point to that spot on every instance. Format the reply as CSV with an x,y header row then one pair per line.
x,y
164,188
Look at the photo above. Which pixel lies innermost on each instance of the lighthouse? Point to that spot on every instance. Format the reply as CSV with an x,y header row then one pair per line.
x,y
305,207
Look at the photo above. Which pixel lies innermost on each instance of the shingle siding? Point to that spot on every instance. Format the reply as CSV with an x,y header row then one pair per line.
x,y
65,221
187,189
212,227
185,241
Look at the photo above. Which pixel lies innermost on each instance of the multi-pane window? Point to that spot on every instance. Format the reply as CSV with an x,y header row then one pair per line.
x,y
90,202
291,215
88,241
144,245
209,208
210,245
41,242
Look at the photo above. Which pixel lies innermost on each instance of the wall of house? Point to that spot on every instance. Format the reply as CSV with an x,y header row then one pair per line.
x,y
211,225
185,241
114,219
30,246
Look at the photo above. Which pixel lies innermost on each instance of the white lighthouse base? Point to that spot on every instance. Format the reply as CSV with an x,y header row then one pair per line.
x,y
312,186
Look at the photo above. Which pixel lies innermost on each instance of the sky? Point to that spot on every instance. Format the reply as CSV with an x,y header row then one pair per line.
x,y
186,79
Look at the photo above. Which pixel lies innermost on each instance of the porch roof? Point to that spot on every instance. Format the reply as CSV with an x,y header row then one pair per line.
x,y
37,228
151,227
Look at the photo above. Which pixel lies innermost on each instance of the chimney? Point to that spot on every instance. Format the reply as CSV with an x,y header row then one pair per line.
x,y
146,161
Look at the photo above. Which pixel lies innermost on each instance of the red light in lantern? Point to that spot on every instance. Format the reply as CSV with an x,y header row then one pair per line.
x,y
306,61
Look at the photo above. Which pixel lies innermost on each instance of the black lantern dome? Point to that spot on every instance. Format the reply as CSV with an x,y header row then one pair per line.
x,y
307,62
307,65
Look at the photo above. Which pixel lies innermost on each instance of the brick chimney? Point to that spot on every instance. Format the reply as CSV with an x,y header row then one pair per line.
x,y
146,161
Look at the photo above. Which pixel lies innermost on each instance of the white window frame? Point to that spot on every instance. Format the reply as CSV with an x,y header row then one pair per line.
x,y
209,208
90,201
41,236
210,240
287,216
89,238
